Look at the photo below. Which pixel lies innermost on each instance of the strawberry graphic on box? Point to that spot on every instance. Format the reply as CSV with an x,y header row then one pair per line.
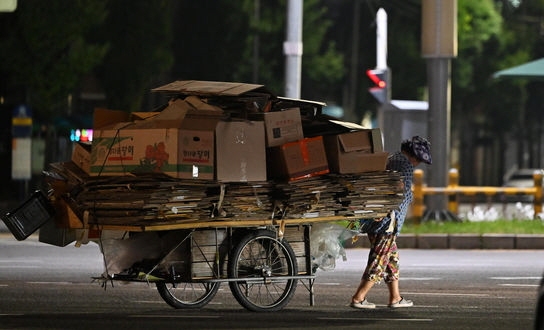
x,y
155,158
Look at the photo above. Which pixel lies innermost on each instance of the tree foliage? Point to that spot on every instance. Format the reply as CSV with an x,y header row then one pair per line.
x,y
139,33
46,49
250,46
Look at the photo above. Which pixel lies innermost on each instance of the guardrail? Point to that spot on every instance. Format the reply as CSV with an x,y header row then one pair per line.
x,y
453,190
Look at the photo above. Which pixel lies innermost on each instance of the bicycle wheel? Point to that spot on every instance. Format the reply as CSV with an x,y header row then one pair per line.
x,y
258,262
186,295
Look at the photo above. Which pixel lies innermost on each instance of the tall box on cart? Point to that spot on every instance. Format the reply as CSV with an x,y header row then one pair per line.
x,y
282,127
355,152
240,151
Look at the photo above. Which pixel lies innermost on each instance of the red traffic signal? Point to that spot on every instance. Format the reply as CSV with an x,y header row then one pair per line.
x,y
380,78
377,77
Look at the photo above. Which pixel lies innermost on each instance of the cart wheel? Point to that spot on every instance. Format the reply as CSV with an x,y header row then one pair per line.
x,y
187,295
258,262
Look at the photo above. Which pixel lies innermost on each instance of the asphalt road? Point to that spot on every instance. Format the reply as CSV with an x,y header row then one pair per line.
x,y
47,287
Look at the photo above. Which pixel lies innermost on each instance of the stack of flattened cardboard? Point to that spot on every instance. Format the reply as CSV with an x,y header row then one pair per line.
x,y
157,199
368,193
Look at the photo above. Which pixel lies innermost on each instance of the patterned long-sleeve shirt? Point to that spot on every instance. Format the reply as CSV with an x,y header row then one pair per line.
x,y
400,163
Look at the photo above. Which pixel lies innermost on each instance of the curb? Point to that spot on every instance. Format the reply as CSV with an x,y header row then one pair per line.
x,y
442,241
461,241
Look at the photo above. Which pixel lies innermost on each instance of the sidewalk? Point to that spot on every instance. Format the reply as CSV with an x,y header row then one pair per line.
x,y
461,241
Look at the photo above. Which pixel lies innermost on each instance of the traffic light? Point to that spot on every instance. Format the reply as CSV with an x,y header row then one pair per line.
x,y
380,90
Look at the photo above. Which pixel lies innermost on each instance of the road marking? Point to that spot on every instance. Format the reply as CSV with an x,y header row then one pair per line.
x,y
521,285
517,278
421,278
447,294
176,316
373,319
59,283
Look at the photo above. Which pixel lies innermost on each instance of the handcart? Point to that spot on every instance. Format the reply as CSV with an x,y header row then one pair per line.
x,y
187,235
262,261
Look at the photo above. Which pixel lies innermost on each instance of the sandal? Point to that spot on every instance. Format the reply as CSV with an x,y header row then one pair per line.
x,y
401,303
364,304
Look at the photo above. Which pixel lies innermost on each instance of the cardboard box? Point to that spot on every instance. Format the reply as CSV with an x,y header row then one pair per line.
x,y
240,151
367,162
134,116
81,156
126,151
282,127
103,118
179,142
353,152
296,160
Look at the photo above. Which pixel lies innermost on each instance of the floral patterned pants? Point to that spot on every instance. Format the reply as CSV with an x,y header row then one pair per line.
x,y
383,259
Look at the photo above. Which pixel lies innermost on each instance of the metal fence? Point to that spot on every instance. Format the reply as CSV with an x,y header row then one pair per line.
x,y
454,192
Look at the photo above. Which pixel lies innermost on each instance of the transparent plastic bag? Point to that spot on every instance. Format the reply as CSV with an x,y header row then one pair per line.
x,y
326,244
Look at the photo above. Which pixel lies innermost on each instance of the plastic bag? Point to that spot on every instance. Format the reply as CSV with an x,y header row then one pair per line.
x,y
326,244
121,254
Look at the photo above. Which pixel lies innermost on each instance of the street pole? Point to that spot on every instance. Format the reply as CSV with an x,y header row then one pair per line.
x,y
439,46
381,39
292,48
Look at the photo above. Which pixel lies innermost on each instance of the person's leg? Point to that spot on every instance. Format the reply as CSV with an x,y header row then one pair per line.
x,y
394,292
362,291
391,277
378,259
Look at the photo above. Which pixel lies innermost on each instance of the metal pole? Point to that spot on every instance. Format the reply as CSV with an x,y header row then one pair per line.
x,y
381,39
256,55
438,121
353,85
292,48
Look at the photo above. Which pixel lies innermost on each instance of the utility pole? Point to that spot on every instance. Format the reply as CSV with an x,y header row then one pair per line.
x,y
381,39
439,46
292,48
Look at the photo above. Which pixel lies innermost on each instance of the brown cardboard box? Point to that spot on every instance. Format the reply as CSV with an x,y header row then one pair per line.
x,y
353,152
196,158
179,141
81,156
129,150
240,151
105,117
134,116
300,159
359,163
282,127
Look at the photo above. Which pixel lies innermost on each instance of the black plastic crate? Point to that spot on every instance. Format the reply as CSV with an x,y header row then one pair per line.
x,y
29,216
